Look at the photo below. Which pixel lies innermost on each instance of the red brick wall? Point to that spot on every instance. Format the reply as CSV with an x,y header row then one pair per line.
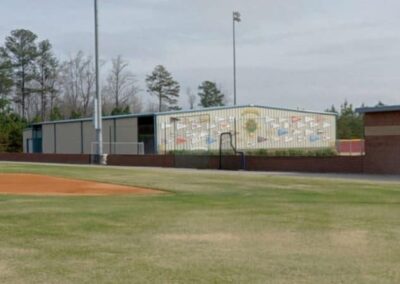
x,y
339,164
382,152
295,164
376,162
382,155
382,118
46,158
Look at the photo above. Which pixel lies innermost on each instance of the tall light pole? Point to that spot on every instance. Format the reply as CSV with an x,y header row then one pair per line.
x,y
98,110
236,18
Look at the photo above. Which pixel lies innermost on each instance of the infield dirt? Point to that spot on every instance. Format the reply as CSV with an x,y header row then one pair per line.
x,y
31,184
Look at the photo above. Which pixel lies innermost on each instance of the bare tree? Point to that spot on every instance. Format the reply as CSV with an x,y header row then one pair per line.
x,y
153,107
87,84
191,98
46,72
136,104
121,83
78,84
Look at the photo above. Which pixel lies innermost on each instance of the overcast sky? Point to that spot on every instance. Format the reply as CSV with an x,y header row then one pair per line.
x,y
290,53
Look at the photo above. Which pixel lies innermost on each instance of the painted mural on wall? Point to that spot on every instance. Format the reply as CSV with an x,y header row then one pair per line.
x,y
253,128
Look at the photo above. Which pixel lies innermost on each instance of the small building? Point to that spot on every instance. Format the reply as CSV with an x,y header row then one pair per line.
x,y
382,139
252,128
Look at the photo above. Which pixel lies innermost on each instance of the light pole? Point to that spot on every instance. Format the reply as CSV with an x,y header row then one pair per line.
x,y
98,110
236,18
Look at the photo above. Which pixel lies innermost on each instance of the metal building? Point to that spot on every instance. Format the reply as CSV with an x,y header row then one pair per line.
x,y
252,127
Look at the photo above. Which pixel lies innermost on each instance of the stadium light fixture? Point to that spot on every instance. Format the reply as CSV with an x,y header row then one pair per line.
x,y
236,19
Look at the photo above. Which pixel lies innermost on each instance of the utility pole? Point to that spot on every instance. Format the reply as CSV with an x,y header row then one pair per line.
x,y
98,108
236,18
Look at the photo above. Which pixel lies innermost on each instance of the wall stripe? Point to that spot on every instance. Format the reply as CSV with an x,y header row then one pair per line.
x,y
382,130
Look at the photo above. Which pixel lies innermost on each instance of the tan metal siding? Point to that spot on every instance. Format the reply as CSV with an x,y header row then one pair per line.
x,y
127,132
108,130
89,136
382,130
68,138
48,138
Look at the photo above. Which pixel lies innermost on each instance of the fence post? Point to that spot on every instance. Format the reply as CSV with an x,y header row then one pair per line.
x,y
351,147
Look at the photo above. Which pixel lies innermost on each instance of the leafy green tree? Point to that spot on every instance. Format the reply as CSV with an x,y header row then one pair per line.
x,y
349,123
210,95
21,50
75,114
11,127
161,84
120,110
55,114
332,109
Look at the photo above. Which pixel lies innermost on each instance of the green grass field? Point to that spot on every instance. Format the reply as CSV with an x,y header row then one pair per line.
x,y
210,228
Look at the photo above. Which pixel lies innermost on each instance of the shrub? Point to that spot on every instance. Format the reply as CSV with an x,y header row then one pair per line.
x,y
296,152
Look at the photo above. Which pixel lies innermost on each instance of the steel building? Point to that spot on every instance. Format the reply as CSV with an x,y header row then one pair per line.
x,y
252,127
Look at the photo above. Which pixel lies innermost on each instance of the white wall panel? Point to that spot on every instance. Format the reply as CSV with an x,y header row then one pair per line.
x,y
254,127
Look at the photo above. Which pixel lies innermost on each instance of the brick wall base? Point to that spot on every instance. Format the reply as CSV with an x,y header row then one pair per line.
x,y
46,158
382,155
372,163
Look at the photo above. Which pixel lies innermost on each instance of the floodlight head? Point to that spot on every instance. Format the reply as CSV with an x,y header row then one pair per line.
x,y
236,17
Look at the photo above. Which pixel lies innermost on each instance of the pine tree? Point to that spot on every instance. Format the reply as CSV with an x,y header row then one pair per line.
x,y
21,50
161,84
210,95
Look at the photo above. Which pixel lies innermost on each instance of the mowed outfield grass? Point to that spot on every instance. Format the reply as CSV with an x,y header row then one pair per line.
x,y
209,228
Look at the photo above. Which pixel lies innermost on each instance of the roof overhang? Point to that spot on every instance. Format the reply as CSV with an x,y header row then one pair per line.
x,y
392,108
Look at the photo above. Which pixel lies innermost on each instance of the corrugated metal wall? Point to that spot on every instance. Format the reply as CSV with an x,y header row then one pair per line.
x,y
48,138
68,138
26,136
77,137
89,136
252,128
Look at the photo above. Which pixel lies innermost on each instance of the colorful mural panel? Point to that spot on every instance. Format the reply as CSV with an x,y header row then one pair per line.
x,y
253,127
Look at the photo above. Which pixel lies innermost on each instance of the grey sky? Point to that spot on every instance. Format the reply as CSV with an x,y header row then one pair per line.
x,y
293,53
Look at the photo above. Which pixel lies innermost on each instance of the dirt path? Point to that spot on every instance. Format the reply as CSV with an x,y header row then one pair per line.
x,y
31,184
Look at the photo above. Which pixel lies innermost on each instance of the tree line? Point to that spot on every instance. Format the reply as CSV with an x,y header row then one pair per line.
x,y
37,86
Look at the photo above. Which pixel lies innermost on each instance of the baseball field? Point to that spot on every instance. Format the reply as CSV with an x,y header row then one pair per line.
x,y
81,224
